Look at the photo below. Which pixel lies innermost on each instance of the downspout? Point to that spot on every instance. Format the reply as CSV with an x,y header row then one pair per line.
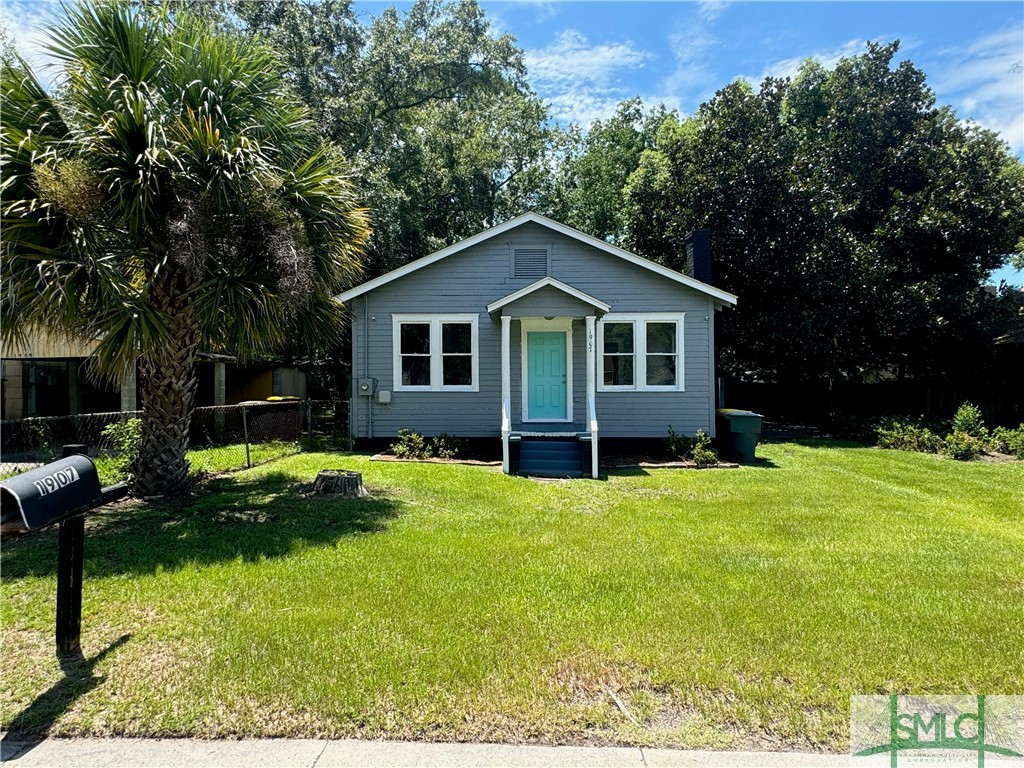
x,y
366,365
353,395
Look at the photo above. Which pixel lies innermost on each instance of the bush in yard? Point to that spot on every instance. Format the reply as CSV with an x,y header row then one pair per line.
x,y
968,419
703,454
696,449
39,440
125,437
446,446
411,445
850,426
962,446
1006,440
906,435
678,445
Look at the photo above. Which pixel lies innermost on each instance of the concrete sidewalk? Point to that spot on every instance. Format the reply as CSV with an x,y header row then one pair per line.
x,y
313,753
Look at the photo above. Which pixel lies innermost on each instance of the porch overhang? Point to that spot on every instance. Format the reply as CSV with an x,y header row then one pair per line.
x,y
548,282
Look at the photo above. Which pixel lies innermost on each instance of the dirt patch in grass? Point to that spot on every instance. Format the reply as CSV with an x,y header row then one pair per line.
x,y
997,458
639,461
616,703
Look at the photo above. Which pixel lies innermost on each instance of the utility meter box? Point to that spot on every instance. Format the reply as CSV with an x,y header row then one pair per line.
x,y
364,387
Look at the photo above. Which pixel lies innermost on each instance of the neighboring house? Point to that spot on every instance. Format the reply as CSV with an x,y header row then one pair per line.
x,y
540,335
228,382
47,376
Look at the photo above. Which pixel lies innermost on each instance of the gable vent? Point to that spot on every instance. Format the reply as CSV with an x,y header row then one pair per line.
x,y
529,262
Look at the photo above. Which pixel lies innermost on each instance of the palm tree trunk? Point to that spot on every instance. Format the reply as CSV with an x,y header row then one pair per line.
x,y
167,382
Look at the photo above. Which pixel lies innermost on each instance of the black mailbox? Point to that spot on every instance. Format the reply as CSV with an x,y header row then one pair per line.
x,y
47,495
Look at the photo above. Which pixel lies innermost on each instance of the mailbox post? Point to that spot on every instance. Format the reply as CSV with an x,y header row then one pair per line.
x,y
70,561
59,493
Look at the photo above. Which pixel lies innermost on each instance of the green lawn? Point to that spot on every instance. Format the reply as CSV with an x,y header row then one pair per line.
x,y
203,461
724,608
212,460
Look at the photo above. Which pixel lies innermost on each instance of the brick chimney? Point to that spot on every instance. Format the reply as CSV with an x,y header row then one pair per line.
x,y
698,255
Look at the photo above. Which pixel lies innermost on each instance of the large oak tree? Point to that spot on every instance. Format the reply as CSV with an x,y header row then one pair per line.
x,y
855,218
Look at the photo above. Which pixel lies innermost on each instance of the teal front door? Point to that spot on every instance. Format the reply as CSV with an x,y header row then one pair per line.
x,y
545,375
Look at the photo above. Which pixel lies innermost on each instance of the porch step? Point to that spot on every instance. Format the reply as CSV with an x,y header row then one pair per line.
x,y
550,458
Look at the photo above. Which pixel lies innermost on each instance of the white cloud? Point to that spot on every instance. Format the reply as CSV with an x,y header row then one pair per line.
x,y
828,58
28,25
571,57
692,79
581,80
545,10
984,81
709,10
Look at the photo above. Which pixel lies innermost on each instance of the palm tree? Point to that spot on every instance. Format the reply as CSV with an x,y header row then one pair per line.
x,y
172,196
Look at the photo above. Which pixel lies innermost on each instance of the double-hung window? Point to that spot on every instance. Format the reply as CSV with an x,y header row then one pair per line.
x,y
436,353
641,352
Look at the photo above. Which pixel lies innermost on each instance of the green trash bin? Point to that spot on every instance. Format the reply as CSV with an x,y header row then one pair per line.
x,y
738,433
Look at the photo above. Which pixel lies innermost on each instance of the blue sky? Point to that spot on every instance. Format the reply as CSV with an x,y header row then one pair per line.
x,y
585,57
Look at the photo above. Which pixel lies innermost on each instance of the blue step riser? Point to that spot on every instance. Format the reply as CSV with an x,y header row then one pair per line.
x,y
550,458
551,473
551,454
571,448
532,469
570,461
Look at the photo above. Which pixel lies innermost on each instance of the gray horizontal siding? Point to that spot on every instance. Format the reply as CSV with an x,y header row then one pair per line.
x,y
480,275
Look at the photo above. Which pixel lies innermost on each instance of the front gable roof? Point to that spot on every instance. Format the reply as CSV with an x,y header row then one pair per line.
x,y
546,282
723,297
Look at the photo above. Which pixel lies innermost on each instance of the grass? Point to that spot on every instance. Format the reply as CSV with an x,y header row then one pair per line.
x,y
204,461
724,608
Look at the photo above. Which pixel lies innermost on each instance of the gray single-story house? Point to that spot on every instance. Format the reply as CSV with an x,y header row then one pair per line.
x,y
540,335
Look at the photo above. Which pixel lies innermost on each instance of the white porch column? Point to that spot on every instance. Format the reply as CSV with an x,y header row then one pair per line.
x,y
220,396
591,357
506,389
129,401
592,391
220,383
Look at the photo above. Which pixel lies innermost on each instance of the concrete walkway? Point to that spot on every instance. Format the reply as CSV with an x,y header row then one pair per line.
x,y
312,753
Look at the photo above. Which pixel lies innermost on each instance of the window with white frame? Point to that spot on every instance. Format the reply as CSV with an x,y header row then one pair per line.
x,y
436,353
641,352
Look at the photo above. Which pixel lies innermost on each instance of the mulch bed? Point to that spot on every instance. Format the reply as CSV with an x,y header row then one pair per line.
x,y
613,462
434,460
657,462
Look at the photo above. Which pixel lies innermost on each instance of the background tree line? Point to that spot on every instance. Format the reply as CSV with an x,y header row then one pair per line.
x,y
855,217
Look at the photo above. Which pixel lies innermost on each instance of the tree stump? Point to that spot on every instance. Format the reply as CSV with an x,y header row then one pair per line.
x,y
340,482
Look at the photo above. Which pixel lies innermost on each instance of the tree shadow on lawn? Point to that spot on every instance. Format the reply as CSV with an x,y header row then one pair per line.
x,y
229,517
823,442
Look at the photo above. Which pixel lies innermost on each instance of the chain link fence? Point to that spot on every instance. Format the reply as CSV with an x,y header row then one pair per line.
x,y
222,438
327,425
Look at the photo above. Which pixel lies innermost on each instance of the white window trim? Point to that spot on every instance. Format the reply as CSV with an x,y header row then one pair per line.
x,y
563,324
639,321
436,355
